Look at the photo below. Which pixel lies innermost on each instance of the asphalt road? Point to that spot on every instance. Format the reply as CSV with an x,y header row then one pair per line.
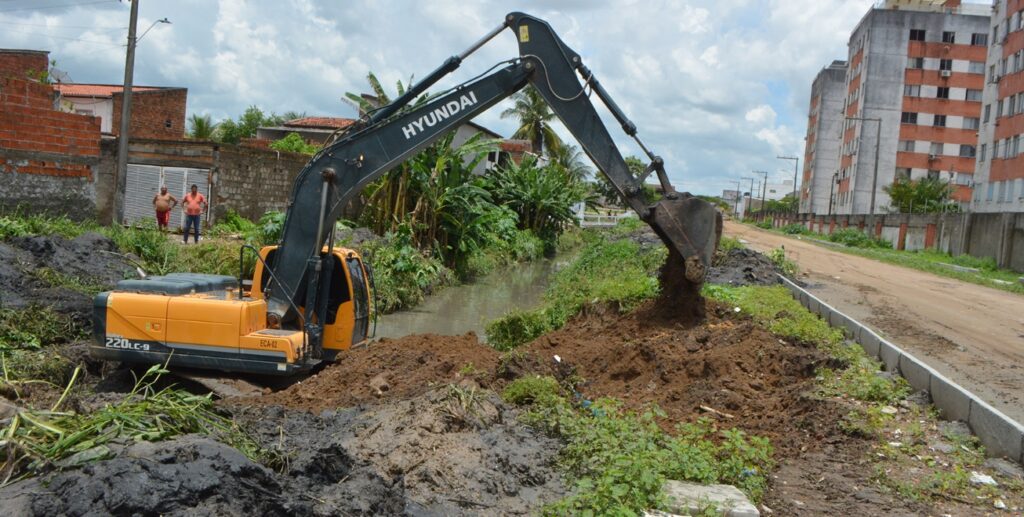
x,y
972,334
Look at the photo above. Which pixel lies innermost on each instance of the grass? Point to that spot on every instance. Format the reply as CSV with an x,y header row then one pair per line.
x,y
55,278
618,460
34,327
857,243
619,273
34,441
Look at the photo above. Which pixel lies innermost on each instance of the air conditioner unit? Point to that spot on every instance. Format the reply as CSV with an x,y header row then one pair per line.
x,y
933,157
946,73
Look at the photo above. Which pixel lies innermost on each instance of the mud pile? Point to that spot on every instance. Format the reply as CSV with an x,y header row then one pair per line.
x,y
389,369
90,257
743,267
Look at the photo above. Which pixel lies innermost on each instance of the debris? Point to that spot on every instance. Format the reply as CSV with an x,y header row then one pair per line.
x,y
691,498
889,410
999,504
379,384
714,411
977,478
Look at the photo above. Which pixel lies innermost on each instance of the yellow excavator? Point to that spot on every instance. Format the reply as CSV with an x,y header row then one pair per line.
x,y
309,301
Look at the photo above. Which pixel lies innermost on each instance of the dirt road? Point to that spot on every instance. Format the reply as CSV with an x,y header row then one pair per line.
x,y
972,334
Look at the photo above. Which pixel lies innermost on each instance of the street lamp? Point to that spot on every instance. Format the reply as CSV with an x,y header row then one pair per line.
x,y
878,141
163,20
796,165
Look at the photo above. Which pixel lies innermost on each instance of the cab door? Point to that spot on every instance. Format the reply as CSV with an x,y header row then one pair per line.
x,y
360,299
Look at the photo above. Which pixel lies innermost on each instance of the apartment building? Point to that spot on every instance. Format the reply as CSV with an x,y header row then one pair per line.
x,y
914,81
999,181
824,130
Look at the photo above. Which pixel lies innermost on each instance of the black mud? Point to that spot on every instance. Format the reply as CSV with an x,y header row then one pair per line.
x,y
91,257
447,452
743,267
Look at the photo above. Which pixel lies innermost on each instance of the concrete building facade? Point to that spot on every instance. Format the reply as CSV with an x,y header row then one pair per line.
x,y
918,67
999,182
824,130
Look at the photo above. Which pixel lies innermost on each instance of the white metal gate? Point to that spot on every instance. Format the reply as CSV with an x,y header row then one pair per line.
x,y
143,183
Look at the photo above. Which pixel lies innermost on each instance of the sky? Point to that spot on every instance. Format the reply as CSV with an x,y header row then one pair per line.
x,y
718,88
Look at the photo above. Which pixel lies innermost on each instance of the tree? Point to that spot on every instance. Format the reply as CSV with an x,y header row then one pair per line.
x,y
232,132
571,159
294,143
202,127
535,118
925,195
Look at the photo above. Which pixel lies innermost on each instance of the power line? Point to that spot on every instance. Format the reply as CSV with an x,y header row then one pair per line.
x,y
38,8
65,26
104,43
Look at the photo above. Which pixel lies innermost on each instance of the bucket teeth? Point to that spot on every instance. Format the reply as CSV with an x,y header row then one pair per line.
x,y
691,227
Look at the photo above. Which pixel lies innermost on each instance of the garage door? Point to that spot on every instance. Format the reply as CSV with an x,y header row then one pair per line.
x,y
144,182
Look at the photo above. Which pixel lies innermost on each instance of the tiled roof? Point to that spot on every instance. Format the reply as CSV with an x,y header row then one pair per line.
x,y
95,90
320,122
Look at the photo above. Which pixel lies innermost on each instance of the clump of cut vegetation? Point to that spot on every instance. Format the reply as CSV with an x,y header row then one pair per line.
x,y
618,460
34,441
34,327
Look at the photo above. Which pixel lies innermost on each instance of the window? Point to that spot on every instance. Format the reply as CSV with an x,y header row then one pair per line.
x,y
912,90
975,67
1006,149
948,37
908,117
974,95
933,174
963,179
1011,105
916,63
902,174
981,153
967,151
971,123
942,93
916,34
1016,146
935,149
1002,192
995,150
940,121
986,112
991,186
945,64
906,146
992,74
980,39
999,108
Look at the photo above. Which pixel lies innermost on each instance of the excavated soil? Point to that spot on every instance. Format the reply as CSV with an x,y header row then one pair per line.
x,y
389,369
743,266
90,257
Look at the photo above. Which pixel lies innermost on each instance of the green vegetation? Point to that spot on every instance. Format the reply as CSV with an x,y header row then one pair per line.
x,y
202,127
34,327
55,278
293,143
233,131
727,244
787,266
39,440
618,460
619,273
20,225
534,116
854,238
925,195
402,274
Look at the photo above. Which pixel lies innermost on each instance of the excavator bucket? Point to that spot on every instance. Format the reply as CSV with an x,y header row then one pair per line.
x,y
691,228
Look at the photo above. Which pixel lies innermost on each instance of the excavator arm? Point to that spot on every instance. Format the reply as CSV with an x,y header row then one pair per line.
x,y
388,136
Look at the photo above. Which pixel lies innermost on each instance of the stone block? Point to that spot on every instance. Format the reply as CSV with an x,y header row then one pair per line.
x,y
918,374
690,498
889,354
1000,435
870,342
953,401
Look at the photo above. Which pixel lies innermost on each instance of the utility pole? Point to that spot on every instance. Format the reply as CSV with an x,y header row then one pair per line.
x,y
736,210
121,173
796,165
764,186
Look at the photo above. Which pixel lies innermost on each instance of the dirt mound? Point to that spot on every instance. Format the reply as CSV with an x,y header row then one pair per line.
x,y
389,369
91,258
727,363
743,267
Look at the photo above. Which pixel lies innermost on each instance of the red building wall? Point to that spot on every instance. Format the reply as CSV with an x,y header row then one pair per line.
x,y
155,113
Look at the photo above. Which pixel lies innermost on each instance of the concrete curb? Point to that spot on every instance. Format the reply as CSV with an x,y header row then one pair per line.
x,y
1001,435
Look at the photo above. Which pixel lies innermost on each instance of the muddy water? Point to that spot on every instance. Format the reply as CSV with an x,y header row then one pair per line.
x,y
468,308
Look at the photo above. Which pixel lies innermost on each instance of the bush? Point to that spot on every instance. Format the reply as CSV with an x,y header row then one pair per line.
x,y
778,257
857,239
727,244
402,274
795,229
765,225
17,225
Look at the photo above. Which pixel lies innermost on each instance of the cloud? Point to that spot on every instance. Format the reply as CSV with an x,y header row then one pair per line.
x,y
718,88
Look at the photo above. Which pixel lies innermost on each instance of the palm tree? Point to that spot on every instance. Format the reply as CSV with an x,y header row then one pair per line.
x,y
534,120
203,128
569,158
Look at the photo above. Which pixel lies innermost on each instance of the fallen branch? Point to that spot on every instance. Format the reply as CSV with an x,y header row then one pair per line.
x,y
714,411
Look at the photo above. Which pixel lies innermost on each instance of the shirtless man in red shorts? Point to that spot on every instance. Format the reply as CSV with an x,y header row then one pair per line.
x,y
164,203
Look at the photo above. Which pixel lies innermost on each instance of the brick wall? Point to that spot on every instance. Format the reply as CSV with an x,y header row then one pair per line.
x,y
157,114
21,63
46,156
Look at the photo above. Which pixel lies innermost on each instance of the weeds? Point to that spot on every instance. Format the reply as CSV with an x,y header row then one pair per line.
x,y
795,229
727,244
787,266
861,381
619,273
764,225
37,441
866,422
55,278
618,460
402,274
854,238
35,327
19,225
